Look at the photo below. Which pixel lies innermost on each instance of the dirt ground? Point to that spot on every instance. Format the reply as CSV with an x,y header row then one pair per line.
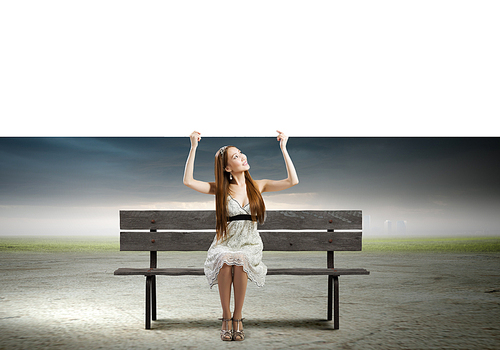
x,y
409,301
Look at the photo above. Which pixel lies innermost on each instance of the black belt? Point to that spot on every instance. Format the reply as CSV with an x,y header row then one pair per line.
x,y
240,217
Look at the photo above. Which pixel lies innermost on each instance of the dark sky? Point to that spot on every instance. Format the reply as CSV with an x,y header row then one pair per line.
x,y
69,186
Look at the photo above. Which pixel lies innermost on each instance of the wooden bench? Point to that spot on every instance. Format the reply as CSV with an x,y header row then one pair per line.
x,y
193,230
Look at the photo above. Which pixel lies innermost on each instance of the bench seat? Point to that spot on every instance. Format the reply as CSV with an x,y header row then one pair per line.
x,y
270,271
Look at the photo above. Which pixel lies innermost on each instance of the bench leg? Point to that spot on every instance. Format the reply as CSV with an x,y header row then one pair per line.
x,y
333,300
149,282
330,298
336,302
153,298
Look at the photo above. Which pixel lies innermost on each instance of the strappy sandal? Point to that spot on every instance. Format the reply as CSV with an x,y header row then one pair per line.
x,y
226,334
237,334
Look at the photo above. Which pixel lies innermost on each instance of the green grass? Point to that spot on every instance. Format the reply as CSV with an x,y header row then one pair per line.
x,y
451,245
111,244
59,244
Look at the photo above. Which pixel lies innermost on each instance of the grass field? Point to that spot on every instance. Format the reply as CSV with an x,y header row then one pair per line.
x,y
59,244
109,244
452,245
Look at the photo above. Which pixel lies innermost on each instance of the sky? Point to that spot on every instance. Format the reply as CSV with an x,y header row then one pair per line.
x,y
76,186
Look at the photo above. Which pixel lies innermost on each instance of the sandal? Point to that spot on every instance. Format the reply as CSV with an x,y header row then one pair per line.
x,y
226,334
237,334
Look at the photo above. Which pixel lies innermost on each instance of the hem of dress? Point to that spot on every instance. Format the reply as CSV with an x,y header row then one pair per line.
x,y
248,272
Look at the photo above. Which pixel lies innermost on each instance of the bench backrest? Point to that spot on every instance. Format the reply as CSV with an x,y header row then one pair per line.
x,y
283,230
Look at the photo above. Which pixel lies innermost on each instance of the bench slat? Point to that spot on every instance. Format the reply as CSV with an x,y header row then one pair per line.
x,y
200,272
276,220
166,241
312,241
273,241
317,271
162,271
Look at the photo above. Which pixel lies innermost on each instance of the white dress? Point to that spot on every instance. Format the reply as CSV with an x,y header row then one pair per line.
x,y
242,247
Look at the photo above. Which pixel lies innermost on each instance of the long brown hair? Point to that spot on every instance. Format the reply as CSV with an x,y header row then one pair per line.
x,y
257,206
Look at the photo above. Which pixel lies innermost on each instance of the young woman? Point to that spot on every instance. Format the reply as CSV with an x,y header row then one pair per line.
x,y
235,255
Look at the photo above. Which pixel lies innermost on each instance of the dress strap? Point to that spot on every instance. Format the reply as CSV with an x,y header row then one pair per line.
x,y
240,217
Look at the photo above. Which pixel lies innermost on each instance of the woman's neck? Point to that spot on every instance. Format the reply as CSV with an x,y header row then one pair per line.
x,y
238,179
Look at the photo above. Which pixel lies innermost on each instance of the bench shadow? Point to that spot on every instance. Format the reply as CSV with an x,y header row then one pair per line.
x,y
197,324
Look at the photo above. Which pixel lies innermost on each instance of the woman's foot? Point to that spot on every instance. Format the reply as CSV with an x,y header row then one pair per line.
x,y
226,333
238,334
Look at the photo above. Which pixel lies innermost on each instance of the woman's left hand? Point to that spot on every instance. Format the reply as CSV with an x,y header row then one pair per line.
x,y
292,178
282,138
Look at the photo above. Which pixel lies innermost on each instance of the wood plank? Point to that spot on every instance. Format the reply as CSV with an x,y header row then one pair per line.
x,y
273,241
167,219
166,241
275,220
161,271
312,241
313,220
316,271
270,271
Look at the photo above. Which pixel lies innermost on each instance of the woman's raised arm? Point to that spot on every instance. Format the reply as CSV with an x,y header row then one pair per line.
x,y
189,181
292,178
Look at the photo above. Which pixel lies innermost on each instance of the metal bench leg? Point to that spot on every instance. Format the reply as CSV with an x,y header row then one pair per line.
x,y
149,282
336,302
333,300
330,298
153,262
153,298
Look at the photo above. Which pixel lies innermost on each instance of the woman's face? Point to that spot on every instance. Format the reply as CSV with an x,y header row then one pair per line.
x,y
236,161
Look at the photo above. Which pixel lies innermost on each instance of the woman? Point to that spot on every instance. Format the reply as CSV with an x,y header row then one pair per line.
x,y
236,252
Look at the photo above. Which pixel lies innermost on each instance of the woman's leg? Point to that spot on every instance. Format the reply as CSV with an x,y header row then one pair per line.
x,y
224,280
240,287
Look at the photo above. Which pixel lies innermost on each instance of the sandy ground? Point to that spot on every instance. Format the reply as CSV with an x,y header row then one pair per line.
x,y
410,301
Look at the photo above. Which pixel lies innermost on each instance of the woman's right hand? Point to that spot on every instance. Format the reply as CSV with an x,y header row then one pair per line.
x,y
189,181
195,138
